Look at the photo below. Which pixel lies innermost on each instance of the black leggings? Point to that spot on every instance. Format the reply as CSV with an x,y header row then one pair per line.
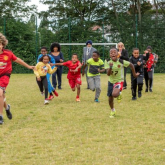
x,y
148,76
43,83
136,82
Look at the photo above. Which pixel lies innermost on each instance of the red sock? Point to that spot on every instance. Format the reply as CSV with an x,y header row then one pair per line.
x,y
77,96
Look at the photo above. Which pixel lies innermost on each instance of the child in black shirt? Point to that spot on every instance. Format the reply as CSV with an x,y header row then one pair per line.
x,y
137,60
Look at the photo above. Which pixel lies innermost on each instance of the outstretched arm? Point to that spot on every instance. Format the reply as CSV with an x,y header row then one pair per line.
x,y
58,64
21,62
76,70
84,69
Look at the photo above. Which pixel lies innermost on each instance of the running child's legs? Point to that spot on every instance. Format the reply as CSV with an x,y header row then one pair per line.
x,y
140,83
94,83
75,83
78,90
91,83
1,101
97,86
50,88
133,86
146,77
150,77
40,85
111,102
43,83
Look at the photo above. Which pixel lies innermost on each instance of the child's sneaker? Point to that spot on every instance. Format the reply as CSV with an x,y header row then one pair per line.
x,y
8,113
42,93
119,98
1,120
46,101
134,98
78,99
50,97
97,101
112,114
139,94
55,93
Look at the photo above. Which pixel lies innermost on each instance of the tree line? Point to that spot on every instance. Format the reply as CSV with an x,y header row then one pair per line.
x,y
137,23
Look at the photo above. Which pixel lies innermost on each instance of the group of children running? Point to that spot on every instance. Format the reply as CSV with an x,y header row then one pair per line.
x,y
114,67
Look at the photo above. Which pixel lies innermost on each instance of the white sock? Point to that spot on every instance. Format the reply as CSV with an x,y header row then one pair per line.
x,y
113,109
7,107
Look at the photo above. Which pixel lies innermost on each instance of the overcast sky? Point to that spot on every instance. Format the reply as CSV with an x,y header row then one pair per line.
x,y
40,6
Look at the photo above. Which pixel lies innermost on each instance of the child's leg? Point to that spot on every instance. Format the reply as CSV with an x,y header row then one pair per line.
x,y
78,90
134,86
40,85
111,103
49,83
146,78
1,101
97,86
150,77
45,84
140,83
91,83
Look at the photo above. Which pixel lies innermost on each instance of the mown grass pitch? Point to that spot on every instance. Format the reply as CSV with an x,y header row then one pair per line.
x,y
69,133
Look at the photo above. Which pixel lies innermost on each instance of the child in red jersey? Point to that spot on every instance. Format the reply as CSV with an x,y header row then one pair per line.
x,y
148,70
74,74
6,58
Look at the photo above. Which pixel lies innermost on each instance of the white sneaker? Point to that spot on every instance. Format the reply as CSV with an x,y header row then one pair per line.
x,y
46,102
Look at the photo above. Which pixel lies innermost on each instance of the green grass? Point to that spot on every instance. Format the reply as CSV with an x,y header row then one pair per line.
x,y
69,133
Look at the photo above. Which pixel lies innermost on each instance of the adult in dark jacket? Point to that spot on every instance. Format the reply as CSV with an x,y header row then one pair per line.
x,y
123,53
56,53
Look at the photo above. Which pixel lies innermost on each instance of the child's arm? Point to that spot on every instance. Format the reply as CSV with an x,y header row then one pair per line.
x,y
37,73
58,64
76,70
21,62
84,69
133,70
109,71
50,70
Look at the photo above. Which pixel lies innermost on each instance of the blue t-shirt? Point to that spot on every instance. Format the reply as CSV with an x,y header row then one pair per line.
x,y
52,60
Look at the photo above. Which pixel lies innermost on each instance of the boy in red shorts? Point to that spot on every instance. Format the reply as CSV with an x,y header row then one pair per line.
x,y
74,74
6,58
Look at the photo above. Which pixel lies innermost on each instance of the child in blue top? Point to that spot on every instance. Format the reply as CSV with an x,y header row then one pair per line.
x,y
52,61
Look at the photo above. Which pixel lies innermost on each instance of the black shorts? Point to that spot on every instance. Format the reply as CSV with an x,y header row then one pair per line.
x,y
110,89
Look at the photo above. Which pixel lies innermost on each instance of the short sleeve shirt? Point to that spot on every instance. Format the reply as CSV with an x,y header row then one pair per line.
x,y
6,59
93,67
117,70
71,66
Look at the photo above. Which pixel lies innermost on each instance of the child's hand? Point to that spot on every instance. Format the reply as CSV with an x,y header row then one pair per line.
x,y
38,79
145,52
139,63
76,70
137,74
99,70
31,67
51,64
83,74
111,65
61,60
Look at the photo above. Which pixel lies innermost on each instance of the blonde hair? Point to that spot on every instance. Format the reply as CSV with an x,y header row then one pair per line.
x,y
3,40
120,43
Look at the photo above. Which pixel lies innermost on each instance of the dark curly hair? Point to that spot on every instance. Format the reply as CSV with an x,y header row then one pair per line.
x,y
55,44
41,59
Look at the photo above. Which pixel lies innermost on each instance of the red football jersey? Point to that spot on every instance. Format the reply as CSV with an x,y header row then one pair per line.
x,y
6,59
71,66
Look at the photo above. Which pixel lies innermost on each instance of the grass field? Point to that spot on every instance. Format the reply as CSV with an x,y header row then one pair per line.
x,y
69,133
